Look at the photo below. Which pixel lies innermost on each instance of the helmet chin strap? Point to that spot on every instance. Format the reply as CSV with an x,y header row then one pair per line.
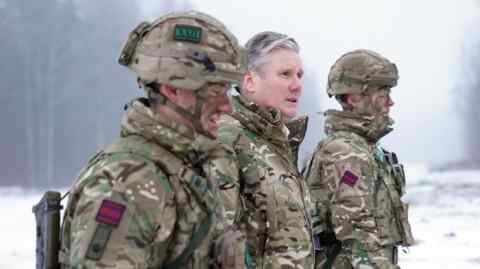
x,y
194,118
197,115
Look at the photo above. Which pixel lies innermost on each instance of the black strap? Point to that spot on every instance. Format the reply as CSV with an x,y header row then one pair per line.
x,y
332,252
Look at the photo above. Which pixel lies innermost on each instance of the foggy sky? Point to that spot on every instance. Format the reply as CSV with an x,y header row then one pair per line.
x,y
426,39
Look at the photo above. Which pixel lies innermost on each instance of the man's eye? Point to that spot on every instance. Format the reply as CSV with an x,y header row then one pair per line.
x,y
216,92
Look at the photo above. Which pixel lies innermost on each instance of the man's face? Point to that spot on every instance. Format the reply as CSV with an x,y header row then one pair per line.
x,y
277,83
215,104
375,103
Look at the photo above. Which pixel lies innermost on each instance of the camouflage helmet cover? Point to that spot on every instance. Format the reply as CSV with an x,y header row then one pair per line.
x,y
358,70
185,50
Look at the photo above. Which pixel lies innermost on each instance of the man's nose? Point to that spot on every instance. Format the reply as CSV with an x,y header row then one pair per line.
x,y
296,85
224,104
390,102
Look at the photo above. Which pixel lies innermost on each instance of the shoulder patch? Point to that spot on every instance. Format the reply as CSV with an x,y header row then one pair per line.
x,y
349,178
110,212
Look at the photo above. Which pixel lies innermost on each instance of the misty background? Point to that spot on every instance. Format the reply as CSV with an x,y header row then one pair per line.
x,y
63,91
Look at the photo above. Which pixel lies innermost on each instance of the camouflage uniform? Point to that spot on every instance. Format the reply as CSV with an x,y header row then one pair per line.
x,y
357,186
275,199
151,198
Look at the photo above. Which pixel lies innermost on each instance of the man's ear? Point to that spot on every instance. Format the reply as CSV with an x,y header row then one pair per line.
x,y
248,82
170,92
353,99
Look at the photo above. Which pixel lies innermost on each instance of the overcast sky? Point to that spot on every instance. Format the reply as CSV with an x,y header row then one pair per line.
x,y
426,39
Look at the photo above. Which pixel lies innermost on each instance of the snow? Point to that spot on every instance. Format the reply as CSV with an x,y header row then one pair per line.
x,y
445,218
444,215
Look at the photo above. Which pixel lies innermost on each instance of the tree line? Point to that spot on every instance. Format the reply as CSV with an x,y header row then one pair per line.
x,y
63,91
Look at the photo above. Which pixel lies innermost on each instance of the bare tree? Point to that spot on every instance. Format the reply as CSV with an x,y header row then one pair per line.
x,y
471,87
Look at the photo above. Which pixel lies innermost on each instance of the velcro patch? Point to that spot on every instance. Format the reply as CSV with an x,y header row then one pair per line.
x,y
349,178
110,212
187,33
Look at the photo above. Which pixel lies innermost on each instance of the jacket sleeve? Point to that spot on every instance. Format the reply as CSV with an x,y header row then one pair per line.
x,y
230,240
320,194
121,215
352,180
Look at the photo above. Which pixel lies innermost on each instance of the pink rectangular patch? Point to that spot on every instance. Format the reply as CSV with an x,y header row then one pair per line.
x,y
349,178
110,212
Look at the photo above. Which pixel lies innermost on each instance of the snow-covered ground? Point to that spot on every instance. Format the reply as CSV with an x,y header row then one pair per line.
x,y
445,217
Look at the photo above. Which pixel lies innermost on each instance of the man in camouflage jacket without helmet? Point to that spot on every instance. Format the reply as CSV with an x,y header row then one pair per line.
x,y
274,197
356,185
150,200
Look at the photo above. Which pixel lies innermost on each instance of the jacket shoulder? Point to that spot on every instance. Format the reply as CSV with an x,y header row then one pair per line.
x,y
125,162
342,143
231,130
137,186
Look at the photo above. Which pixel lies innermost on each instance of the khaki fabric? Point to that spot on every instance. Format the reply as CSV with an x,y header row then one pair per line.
x,y
357,195
274,199
159,170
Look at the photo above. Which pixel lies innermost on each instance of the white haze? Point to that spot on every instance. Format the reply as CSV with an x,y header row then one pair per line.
x,y
424,38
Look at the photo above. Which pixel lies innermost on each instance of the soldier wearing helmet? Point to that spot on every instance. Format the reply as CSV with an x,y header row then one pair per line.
x,y
150,199
356,185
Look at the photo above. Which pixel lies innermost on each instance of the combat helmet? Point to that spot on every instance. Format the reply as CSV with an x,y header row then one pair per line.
x,y
359,70
186,50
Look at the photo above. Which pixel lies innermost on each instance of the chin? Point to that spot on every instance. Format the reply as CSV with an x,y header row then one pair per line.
x,y
289,114
212,132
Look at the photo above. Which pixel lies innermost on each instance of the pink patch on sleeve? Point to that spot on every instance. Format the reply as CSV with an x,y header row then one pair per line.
x,y
349,178
110,212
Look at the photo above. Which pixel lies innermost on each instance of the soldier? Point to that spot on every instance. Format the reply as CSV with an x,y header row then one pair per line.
x,y
149,200
274,197
355,184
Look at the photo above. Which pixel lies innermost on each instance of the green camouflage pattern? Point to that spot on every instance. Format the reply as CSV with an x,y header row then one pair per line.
x,y
297,129
363,214
274,198
358,70
142,170
207,52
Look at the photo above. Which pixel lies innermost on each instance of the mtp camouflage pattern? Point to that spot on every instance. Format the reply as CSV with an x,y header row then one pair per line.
x,y
357,187
359,70
274,198
158,171
186,50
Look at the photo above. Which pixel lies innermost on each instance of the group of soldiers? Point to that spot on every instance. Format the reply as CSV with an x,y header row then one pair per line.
x,y
204,173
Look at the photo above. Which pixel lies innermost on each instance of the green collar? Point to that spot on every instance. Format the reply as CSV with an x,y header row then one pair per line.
x,y
266,122
139,119
372,128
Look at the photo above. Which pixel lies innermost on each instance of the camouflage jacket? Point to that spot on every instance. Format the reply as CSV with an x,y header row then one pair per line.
x,y
145,200
356,187
274,197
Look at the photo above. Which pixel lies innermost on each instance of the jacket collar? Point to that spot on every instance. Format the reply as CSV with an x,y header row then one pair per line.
x,y
370,127
140,120
266,122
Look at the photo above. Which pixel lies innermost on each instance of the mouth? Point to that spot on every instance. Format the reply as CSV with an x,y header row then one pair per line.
x,y
292,100
214,118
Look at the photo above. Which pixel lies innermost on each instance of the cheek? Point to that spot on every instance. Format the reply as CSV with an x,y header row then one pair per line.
x,y
277,92
381,103
209,106
187,101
